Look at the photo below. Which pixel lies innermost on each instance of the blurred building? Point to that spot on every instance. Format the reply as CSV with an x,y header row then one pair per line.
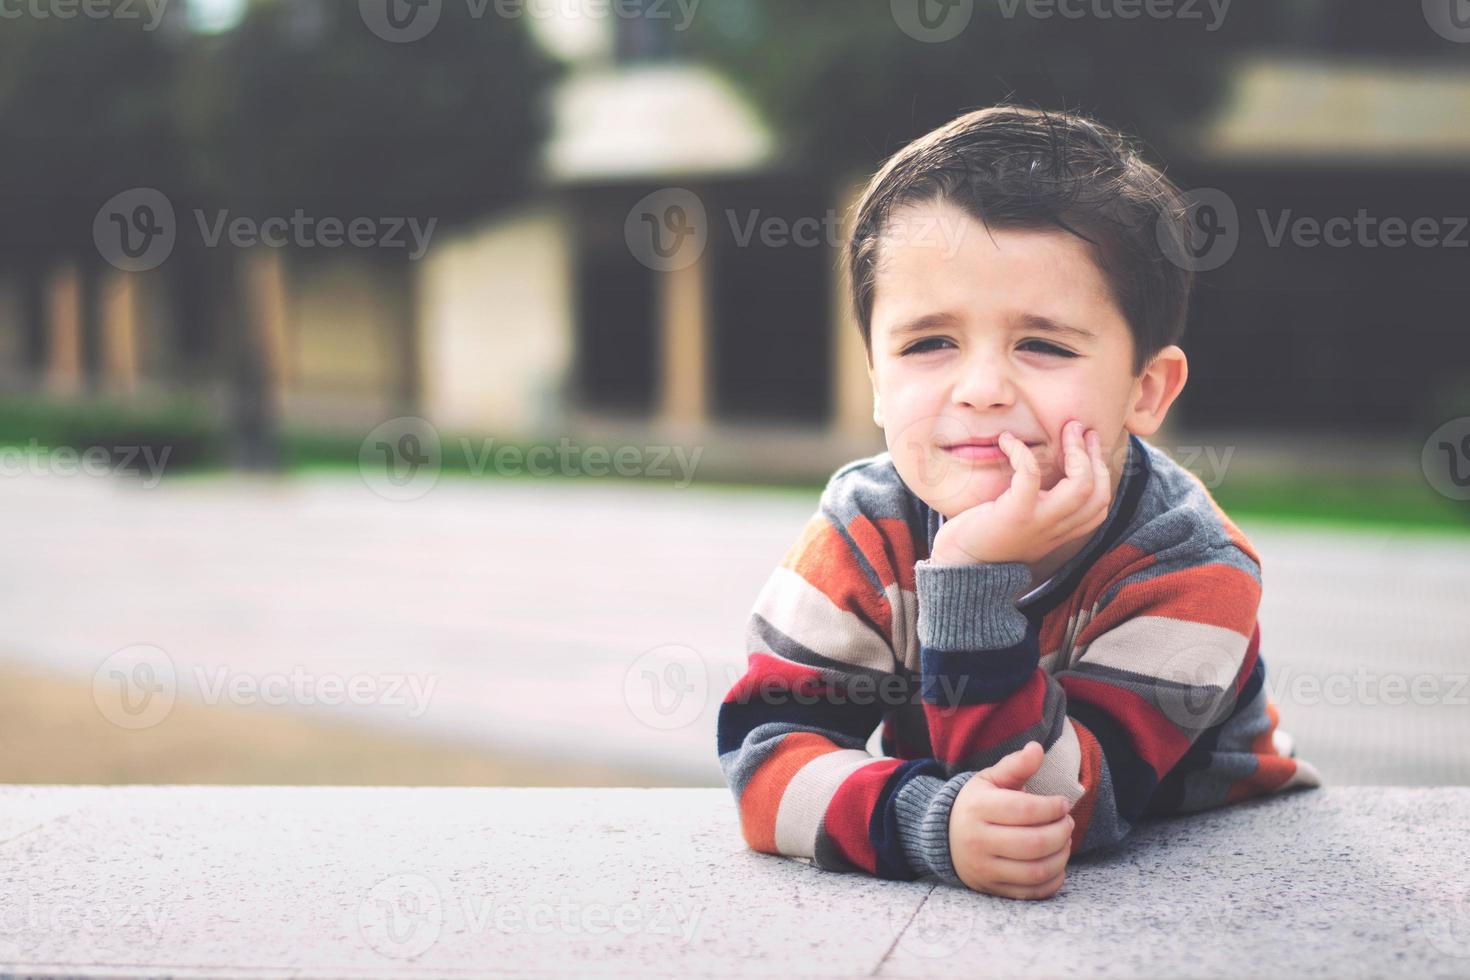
x,y
545,321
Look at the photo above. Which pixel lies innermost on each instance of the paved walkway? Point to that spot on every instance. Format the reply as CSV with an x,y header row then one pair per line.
x,y
361,882
604,620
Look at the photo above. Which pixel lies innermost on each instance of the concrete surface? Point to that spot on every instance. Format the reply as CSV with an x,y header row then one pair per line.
x,y
517,604
367,882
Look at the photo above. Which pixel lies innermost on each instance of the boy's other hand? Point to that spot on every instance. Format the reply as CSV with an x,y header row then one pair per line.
x,y
1026,523
1006,841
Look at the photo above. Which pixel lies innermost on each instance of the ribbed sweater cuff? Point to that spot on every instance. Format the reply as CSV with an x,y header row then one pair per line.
x,y
971,607
922,807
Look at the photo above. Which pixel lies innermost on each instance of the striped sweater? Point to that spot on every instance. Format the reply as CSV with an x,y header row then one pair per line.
x,y
1137,666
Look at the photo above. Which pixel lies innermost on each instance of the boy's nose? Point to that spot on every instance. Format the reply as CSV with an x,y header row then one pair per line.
x,y
984,384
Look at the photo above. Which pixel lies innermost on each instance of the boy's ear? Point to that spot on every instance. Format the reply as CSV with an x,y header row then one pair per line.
x,y
877,400
1155,390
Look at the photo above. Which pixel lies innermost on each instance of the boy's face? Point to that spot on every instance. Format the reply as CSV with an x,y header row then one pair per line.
x,y
961,351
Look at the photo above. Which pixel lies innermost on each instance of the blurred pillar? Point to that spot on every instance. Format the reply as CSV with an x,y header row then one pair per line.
x,y
408,384
119,312
852,392
266,318
260,358
684,346
64,330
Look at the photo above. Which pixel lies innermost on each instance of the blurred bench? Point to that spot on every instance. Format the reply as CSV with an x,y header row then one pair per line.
x,y
339,882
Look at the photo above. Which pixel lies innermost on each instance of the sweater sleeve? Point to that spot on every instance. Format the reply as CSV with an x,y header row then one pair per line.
x,y
821,671
1157,660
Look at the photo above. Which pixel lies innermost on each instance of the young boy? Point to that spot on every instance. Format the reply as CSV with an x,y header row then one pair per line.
x,y
1054,622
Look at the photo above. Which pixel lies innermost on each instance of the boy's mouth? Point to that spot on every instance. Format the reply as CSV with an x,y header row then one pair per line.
x,y
980,449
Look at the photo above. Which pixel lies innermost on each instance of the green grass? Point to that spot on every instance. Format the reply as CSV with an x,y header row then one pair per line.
x,y
199,449
1397,505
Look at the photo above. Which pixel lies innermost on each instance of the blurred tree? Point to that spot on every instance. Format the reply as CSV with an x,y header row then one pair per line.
x,y
84,113
299,107
1144,74
302,106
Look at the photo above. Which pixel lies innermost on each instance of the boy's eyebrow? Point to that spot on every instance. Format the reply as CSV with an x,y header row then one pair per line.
x,y
1029,321
928,321
1046,324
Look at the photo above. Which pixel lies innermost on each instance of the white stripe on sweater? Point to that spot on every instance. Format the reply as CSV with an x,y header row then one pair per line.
x,y
805,799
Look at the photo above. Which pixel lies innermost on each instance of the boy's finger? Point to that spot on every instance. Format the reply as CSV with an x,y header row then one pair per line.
x,y
1012,770
1018,808
1031,843
1066,502
1075,461
1010,872
1026,473
1099,463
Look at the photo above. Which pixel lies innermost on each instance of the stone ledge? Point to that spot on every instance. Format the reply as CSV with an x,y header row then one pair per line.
x,y
367,882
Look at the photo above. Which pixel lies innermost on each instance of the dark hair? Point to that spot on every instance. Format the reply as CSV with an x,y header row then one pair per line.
x,y
1018,167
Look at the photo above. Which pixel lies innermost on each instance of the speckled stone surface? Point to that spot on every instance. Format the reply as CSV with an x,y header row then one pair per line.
x,y
367,882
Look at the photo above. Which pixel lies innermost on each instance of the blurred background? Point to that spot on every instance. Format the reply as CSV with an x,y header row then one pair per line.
x,y
420,391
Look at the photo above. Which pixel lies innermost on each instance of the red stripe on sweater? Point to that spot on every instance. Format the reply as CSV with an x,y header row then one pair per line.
x,y
1090,776
770,674
961,732
1156,739
1213,594
847,816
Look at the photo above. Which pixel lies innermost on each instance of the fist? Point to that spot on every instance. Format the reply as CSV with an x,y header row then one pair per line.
x,y
1006,841
1025,523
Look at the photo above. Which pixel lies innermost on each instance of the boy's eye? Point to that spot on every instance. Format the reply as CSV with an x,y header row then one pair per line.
x,y
1046,348
921,346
